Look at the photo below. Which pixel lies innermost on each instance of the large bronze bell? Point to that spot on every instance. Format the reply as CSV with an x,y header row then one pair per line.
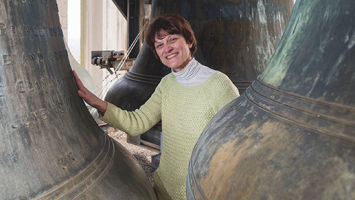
x,y
50,147
292,134
237,38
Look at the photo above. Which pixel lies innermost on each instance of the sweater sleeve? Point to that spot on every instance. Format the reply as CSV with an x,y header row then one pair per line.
x,y
138,121
224,91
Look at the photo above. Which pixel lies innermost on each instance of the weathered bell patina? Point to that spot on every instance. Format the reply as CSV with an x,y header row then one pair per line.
x,y
50,147
292,134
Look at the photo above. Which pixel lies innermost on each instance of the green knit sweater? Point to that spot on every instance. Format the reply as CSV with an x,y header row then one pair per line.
x,y
184,111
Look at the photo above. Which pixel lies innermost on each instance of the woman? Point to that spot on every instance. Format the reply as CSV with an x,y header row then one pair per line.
x,y
185,101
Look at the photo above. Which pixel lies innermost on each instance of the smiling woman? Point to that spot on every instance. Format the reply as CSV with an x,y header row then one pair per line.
x,y
172,40
173,50
174,102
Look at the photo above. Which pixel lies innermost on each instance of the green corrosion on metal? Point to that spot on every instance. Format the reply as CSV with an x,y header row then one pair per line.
x,y
282,59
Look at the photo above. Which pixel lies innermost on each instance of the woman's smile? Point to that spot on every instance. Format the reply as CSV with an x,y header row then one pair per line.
x,y
173,50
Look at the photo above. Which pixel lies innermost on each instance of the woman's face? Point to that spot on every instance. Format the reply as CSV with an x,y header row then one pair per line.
x,y
173,50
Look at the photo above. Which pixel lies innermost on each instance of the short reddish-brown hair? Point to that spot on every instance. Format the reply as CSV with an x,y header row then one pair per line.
x,y
172,24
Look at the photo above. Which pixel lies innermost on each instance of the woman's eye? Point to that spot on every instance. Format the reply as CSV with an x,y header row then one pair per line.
x,y
172,40
158,46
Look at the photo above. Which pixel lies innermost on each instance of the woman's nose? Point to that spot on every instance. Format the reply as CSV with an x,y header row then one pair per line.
x,y
168,48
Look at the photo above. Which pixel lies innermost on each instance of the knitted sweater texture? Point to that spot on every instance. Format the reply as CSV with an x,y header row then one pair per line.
x,y
184,111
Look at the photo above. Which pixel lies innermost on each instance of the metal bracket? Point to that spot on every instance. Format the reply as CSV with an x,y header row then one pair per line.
x,y
106,59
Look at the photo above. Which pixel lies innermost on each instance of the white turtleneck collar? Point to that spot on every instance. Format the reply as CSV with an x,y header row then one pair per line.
x,y
194,73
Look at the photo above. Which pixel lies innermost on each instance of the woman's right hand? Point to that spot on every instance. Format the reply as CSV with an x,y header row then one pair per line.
x,y
89,97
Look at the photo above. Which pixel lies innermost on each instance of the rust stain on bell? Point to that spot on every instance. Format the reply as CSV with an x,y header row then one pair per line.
x,y
234,155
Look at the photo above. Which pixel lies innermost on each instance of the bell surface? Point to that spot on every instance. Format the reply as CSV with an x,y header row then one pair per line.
x,y
50,146
291,135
